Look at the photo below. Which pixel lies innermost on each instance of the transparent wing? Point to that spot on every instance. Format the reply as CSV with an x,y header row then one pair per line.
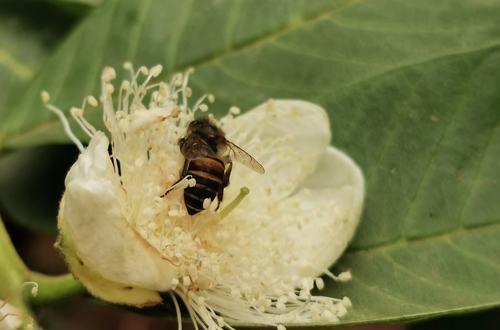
x,y
193,147
244,158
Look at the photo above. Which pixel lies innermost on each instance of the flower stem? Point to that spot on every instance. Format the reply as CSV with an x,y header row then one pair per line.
x,y
54,288
12,274
15,276
12,268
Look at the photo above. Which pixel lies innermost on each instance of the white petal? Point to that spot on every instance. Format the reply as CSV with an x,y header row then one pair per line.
x,y
98,286
10,317
287,137
324,213
93,216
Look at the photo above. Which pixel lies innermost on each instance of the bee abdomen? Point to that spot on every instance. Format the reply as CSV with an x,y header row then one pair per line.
x,y
209,175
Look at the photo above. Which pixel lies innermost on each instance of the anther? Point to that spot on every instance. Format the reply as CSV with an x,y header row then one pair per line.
x,y
127,66
344,276
108,74
347,302
156,70
234,110
319,283
45,96
186,281
92,101
76,112
125,85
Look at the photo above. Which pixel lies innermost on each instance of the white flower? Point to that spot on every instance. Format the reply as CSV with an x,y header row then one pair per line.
x,y
255,259
10,317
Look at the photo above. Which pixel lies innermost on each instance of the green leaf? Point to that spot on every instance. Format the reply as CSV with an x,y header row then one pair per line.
x,y
32,183
20,51
89,3
76,8
412,89
27,34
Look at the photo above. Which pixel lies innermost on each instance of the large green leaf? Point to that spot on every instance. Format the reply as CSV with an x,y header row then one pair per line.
x,y
412,89
28,32
20,51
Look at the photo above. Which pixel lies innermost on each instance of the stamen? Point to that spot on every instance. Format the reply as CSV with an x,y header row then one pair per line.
x,y
67,129
92,101
156,70
77,115
234,110
108,74
45,96
177,311
183,88
342,277
187,181
199,102
123,99
128,66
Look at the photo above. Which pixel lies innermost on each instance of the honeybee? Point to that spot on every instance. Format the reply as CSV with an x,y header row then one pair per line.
x,y
208,159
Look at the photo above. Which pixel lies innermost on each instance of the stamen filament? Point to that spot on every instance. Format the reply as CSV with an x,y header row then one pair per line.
x,y
67,128
177,310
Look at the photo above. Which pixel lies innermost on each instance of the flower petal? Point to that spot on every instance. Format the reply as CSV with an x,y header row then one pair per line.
x,y
324,213
288,137
93,217
98,286
10,317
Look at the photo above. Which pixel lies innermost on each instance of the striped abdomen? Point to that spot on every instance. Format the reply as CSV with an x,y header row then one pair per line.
x,y
209,175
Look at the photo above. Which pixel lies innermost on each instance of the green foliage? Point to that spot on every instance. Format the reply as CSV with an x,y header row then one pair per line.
x,y
412,89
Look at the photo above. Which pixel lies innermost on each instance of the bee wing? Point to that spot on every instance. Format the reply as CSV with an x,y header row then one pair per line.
x,y
194,147
244,157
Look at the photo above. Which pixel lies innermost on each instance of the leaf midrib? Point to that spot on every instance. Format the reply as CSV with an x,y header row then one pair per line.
x,y
263,39
7,140
403,242
271,35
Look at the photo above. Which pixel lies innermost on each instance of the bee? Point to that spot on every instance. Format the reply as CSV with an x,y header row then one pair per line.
x,y
208,159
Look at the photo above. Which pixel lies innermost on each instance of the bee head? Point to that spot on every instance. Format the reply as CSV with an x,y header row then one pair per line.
x,y
205,128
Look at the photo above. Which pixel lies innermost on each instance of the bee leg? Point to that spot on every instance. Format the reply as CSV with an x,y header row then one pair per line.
x,y
225,183
227,175
182,176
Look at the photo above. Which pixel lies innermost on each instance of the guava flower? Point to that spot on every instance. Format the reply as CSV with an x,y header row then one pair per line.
x,y
11,317
257,257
